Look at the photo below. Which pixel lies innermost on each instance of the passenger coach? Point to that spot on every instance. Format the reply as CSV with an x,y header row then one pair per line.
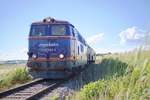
x,y
56,49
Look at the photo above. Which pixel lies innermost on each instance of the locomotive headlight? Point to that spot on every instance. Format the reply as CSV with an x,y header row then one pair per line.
x,y
34,56
61,56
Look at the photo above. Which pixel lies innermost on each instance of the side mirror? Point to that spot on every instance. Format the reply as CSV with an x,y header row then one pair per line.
x,y
30,54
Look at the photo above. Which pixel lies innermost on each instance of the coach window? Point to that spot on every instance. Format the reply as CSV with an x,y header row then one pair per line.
x,y
58,30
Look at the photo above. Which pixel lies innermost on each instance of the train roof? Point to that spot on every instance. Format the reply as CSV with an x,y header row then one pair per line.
x,y
50,20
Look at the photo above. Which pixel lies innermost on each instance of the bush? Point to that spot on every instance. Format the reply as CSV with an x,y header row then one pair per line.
x,y
14,77
92,90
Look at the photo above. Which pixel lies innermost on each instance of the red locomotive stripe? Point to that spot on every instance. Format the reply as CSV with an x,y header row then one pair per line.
x,y
50,37
52,59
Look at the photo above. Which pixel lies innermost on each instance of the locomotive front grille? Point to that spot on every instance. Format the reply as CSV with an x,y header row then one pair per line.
x,y
48,66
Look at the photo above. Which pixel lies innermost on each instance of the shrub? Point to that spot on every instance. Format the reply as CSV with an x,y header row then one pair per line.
x,y
13,77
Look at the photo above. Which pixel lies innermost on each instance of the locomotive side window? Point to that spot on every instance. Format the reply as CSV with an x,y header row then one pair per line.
x,y
38,30
75,31
79,37
72,31
58,30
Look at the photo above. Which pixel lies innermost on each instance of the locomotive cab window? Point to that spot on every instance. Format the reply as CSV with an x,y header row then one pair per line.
x,y
58,29
38,30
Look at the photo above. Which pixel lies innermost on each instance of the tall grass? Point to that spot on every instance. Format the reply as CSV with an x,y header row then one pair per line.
x,y
14,77
131,80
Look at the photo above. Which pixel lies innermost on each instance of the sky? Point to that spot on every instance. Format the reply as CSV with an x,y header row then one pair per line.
x,y
107,25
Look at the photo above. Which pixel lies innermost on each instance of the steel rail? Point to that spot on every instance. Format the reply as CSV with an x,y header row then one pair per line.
x,y
31,91
21,87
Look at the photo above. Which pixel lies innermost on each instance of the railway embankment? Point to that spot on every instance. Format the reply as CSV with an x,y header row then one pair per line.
x,y
114,76
92,73
126,78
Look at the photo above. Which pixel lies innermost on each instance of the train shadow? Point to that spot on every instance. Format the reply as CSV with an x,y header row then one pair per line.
x,y
106,68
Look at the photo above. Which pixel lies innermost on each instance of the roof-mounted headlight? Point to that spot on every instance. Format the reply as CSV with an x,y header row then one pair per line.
x,y
61,56
49,19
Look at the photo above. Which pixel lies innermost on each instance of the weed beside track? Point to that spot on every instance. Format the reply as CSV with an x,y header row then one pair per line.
x,y
14,77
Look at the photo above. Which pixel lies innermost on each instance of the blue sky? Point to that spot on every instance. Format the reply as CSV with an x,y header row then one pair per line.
x,y
107,25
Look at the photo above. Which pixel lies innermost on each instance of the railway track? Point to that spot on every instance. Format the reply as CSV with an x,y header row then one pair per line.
x,y
31,91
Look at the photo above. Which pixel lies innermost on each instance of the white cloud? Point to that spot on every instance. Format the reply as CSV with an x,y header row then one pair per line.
x,y
133,35
95,38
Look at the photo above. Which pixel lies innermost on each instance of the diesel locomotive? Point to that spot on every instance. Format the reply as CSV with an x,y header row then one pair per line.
x,y
56,49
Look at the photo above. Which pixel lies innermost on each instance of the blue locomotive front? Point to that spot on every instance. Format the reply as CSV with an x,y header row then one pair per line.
x,y
49,49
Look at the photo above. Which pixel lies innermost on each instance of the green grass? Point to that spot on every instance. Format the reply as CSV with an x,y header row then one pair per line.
x,y
5,68
12,76
126,77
